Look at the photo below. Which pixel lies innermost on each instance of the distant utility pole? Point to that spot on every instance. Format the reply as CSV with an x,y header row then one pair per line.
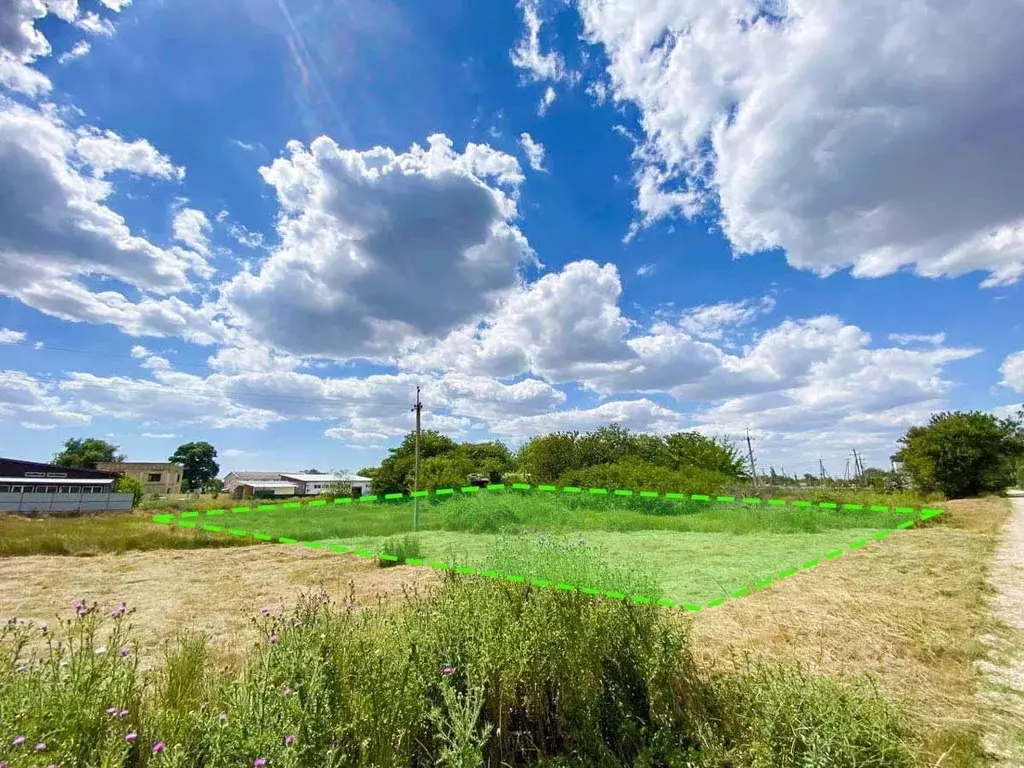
x,y
821,470
750,455
418,408
858,465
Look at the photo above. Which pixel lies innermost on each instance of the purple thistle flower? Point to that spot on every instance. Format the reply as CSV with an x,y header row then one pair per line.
x,y
158,748
19,740
272,639
123,713
288,692
447,671
3,765
43,626
131,737
40,747
124,651
289,740
112,711
259,762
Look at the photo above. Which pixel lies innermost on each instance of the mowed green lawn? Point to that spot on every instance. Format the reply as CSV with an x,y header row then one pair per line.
x,y
683,551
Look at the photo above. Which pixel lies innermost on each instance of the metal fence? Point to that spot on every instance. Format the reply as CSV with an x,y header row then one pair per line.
x,y
65,503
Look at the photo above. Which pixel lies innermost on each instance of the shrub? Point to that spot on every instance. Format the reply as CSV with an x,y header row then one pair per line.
x,y
128,484
403,549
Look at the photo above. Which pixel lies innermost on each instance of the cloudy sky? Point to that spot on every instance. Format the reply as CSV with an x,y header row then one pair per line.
x,y
263,223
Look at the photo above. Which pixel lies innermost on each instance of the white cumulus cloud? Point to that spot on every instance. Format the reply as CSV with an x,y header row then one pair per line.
x,y
837,132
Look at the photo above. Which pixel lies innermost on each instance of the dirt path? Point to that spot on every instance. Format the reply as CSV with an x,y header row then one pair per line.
x,y
1005,665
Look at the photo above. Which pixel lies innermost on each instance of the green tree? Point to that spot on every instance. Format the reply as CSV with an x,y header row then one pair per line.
x,y
962,454
198,464
126,484
548,457
692,449
86,453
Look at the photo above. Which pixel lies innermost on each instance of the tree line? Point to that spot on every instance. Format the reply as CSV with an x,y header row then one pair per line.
x,y
958,454
608,457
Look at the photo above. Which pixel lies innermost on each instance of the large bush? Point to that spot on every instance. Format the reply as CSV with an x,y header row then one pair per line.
x,y
962,454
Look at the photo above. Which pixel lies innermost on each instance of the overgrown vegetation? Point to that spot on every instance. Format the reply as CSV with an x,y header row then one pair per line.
x,y
472,674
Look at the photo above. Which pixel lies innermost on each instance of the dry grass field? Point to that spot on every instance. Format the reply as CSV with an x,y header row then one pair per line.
x,y
910,612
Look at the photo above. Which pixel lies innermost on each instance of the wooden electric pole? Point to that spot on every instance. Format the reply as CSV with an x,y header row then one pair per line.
x,y
418,408
750,455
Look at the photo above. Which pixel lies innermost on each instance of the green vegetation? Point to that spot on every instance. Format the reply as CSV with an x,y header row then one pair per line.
x,y
608,457
693,551
199,467
472,674
86,453
397,551
132,485
963,454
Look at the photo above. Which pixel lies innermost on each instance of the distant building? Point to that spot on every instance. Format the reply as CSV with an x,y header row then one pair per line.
x,y
233,479
246,485
314,485
157,478
31,486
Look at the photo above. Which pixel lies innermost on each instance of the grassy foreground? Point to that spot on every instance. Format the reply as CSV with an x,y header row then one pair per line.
x,y
471,674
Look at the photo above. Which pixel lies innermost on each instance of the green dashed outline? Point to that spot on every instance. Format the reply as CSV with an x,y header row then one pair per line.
x,y
470,489
853,546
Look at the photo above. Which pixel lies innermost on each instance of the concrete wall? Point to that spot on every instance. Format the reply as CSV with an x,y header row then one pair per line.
x,y
170,475
64,502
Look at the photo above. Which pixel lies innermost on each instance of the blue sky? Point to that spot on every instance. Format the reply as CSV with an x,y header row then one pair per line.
x,y
262,223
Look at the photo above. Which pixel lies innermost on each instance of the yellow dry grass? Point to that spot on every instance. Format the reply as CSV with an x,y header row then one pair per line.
x,y
213,591
909,612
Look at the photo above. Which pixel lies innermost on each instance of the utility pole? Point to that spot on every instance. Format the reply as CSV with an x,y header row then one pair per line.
x,y
750,455
821,471
418,408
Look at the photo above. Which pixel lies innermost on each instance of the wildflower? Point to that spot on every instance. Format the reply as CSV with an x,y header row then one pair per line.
x,y
43,627
131,737
158,748
272,639
19,740
224,718
124,651
266,611
40,747
112,711
350,605
123,713
289,740
288,692
259,762
119,611
447,671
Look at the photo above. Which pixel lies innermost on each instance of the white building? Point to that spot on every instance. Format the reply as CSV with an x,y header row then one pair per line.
x,y
314,485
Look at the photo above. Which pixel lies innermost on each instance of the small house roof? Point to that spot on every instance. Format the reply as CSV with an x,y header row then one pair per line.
x,y
304,478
